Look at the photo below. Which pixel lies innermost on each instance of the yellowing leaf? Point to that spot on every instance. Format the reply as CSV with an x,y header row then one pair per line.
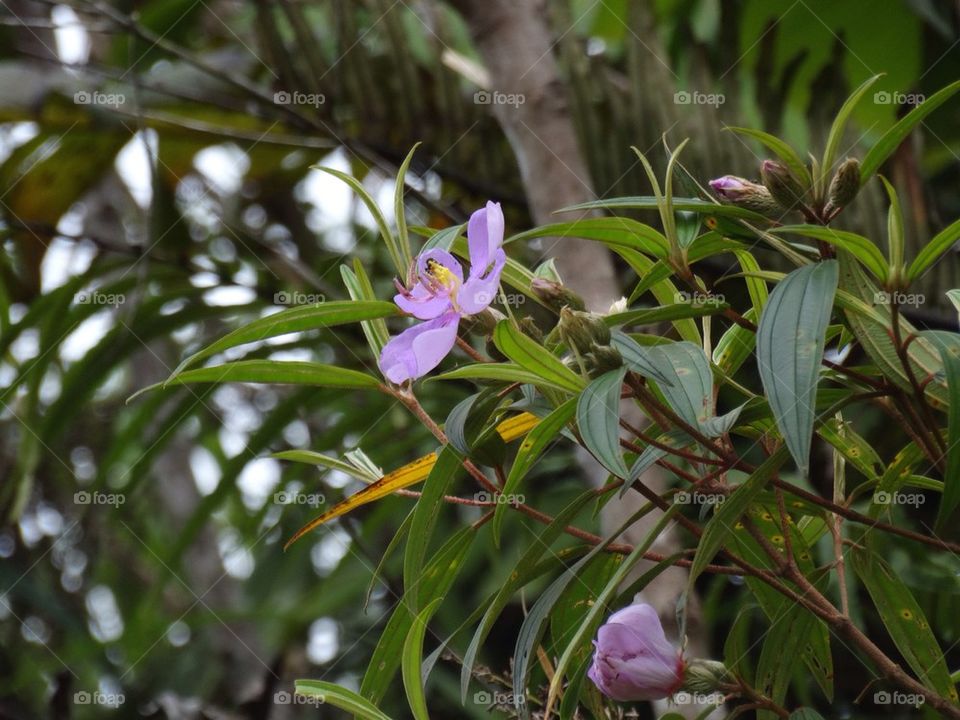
x,y
406,476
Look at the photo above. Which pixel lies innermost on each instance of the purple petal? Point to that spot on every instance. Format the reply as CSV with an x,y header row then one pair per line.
x,y
419,349
484,236
479,291
441,256
422,303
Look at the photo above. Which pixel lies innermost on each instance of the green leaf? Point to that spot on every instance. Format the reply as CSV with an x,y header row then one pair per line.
x,y
690,392
598,417
295,319
533,625
399,210
680,311
895,233
790,342
514,581
756,287
504,372
904,619
894,136
436,581
595,614
282,372
340,697
314,458
782,150
863,249
412,658
942,242
638,358
949,346
359,286
612,231
535,358
839,125
532,446
720,527
446,470
646,202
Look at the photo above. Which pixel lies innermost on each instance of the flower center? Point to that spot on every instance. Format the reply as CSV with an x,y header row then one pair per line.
x,y
440,275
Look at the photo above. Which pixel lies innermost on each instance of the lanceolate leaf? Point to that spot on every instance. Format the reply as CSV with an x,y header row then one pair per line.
x,y
790,343
720,527
894,136
840,124
638,358
786,153
331,694
448,467
276,371
690,392
513,583
412,655
598,417
295,319
865,250
611,231
534,357
949,346
942,242
530,450
905,621
646,202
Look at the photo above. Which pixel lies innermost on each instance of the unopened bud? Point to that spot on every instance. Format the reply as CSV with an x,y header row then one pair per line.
x,y
483,322
750,195
705,676
555,295
844,186
602,358
782,184
582,330
529,328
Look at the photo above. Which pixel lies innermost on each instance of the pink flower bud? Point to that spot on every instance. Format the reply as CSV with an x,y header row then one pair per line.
x,y
633,660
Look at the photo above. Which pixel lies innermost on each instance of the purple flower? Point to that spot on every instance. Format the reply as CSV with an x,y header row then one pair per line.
x,y
633,660
441,296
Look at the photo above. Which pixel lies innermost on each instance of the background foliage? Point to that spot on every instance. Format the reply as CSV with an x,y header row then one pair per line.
x,y
138,232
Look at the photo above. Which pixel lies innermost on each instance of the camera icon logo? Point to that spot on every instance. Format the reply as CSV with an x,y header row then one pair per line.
x,y
881,697
482,97
682,97
82,698
881,497
82,97
282,97
683,498
482,697
882,97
